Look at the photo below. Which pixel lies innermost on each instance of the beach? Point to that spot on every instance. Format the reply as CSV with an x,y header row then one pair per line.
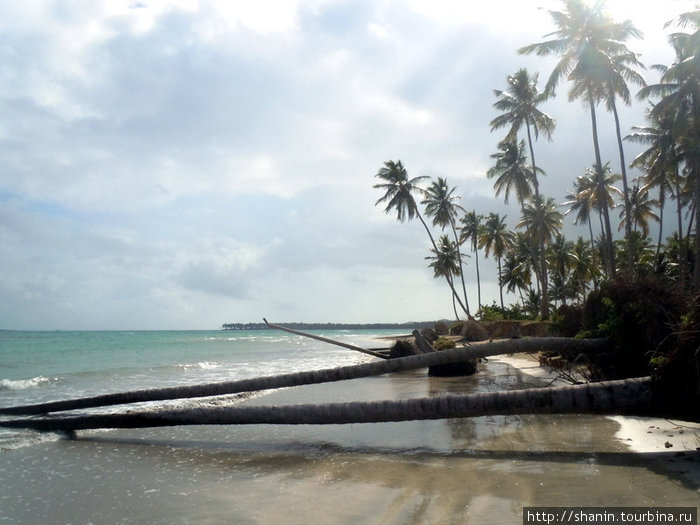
x,y
476,470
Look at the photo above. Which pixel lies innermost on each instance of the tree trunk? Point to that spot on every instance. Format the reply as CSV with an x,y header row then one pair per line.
x,y
604,204
500,284
630,396
544,305
435,248
454,355
461,267
478,279
325,340
631,256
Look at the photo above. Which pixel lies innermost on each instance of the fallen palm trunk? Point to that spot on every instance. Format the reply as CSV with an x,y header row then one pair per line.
x,y
312,377
631,396
326,340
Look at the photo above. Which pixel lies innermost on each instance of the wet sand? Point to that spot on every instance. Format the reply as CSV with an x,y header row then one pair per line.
x,y
478,470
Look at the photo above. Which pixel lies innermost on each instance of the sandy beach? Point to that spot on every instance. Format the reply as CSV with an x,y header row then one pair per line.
x,y
478,471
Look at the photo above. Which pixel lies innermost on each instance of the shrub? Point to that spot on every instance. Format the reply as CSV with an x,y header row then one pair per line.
x,y
443,343
567,320
636,316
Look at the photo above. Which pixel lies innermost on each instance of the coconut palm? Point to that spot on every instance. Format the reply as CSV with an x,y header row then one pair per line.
x,y
399,190
496,238
641,211
440,203
445,262
582,201
469,232
679,89
584,270
513,174
586,40
660,163
515,275
637,396
620,71
599,188
519,106
541,221
373,368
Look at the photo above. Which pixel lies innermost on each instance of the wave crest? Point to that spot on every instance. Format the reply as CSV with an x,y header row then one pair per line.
x,y
20,384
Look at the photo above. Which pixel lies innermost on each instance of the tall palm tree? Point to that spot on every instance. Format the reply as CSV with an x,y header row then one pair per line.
x,y
660,163
584,269
515,275
582,201
469,232
513,174
440,203
497,238
445,262
519,106
641,211
620,71
679,89
399,190
586,40
598,187
542,221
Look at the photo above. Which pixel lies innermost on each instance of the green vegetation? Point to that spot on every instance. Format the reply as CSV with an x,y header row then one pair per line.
x,y
640,293
535,260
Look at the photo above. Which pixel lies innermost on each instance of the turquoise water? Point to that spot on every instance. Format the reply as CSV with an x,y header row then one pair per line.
x,y
481,470
44,366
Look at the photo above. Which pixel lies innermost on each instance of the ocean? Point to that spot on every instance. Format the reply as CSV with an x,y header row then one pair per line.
x,y
478,470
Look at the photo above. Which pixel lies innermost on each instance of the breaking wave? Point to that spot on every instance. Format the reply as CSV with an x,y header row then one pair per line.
x,y
20,384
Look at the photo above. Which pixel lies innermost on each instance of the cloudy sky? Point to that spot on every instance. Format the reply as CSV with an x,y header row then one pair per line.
x,y
183,163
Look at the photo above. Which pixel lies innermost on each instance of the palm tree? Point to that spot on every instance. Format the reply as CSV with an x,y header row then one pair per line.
x,y
515,275
619,73
640,211
542,221
584,269
469,232
638,396
582,200
598,188
519,106
445,262
513,174
497,238
587,41
441,204
679,89
399,196
660,163
343,373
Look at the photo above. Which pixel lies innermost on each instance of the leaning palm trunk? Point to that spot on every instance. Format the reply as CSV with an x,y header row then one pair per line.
x,y
325,340
455,355
449,281
631,396
461,268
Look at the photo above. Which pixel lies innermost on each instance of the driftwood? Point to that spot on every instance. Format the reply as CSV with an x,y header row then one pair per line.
x,y
326,340
631,396
443,357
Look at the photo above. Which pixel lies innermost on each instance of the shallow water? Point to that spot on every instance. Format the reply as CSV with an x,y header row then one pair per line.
x,y
478,470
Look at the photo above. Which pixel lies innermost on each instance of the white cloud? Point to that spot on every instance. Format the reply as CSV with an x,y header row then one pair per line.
x,y
185,163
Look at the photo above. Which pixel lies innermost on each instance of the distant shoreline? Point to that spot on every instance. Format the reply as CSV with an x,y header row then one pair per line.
x,y
333,326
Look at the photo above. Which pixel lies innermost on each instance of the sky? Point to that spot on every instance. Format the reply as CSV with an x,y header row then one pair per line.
x,y
179,164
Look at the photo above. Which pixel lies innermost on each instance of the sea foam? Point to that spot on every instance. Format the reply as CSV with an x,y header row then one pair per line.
x,y
20,384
